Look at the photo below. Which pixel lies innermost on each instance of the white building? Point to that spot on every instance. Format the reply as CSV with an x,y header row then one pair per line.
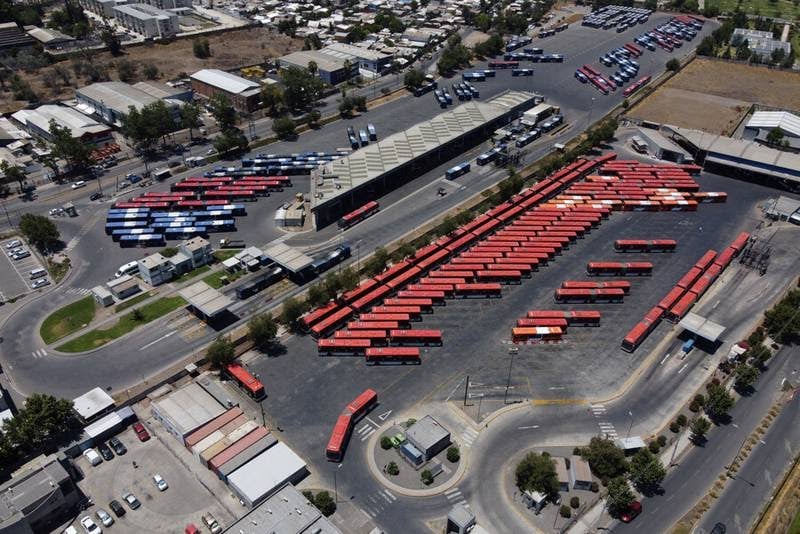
x,y
147,20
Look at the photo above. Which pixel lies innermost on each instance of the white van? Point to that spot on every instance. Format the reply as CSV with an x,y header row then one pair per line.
x,y
37,273
78,184
129,268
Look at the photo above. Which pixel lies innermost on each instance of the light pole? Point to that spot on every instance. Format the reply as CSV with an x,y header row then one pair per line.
x,y
630,426
591,108
508,381
335,486
358,255
5,209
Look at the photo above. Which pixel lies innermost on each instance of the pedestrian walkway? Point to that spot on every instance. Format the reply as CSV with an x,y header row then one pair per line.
x,y
365,431
599,412
378,501
77,291
454,496
468,436
41,353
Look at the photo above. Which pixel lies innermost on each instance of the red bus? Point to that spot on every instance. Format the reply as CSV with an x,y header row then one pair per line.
x,y
410,310
393,356
315,316
437,297
503,64
246,381
588,295
371,298
671,298
523,268
342,347
339,437
377,337
643,245
363,288
740,242
500,277
725,257
528,334
543,321
380,317
488,290
519,262
331,323
424,304
681,308
373,325
583,318
466,274
415,338
458,267
447,289
359,214
633,49
689,278
428,282
706,261
624,285
612,268
362,404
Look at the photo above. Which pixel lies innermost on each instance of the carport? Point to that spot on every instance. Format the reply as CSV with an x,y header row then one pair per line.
x,y
702,327
206,301
294,262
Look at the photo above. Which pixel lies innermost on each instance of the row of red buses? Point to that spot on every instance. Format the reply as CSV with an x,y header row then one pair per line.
x,y
358,215
645,245
345,422
613,268
642,329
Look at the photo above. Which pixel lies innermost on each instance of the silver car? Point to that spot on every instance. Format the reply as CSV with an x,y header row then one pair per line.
x,y
21,254
40,283
104,517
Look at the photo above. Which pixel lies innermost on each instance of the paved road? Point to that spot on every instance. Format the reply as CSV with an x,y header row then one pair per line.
x,y
700,467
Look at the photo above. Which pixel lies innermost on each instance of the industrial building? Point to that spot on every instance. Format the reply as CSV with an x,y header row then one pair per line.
x,y
428,436
206,301
244,94
747,160
266,473
365,59
198,250
92,405
662,147
331,69
37,122
156,269
580,475
761,123
109,101
50,37
186,409
369,173
762,43
286,512
12,37
148,21
38,497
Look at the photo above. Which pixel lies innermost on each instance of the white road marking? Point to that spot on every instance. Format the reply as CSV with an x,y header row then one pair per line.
x,y
165,336
527,427
384,415
371,421
389,495
554,388
683,368
665,358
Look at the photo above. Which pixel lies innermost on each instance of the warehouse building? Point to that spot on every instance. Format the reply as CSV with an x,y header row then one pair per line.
x,y
266,473
103,8
37,122
12,37
286,512
185,410
762,43
428,436
663,148
369,60
330,69
207,302
761,123
156,269
109,101
746,160
244,94
148,21
373,171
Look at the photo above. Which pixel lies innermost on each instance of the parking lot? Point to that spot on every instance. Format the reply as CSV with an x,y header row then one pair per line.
x,y
186,499
15,277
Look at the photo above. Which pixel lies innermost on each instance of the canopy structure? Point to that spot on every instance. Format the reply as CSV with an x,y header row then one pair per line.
x,y
702,327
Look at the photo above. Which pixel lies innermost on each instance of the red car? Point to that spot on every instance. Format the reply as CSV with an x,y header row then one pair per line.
x,y
630,514
141,432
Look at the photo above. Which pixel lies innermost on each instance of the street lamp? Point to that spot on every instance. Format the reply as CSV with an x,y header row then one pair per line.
x,y
591,108
335,486
508,381
630,426
358,255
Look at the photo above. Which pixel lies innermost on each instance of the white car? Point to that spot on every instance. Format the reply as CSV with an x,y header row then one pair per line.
x,y
160,483
104,517
92,456
78,184
90,526
14,244
21,254
41,282
71,530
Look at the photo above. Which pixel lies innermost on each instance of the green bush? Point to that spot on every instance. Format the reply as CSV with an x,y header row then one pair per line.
x,y
565,511
681,420
662,440
594,487
654,447
427,477
699,399
392,469
694,407
674,427
575,502
386,443
453,454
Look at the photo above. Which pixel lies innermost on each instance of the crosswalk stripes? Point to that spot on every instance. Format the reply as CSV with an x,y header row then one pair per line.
x,y
469,436
378,502
40,353
78,291
365,431
454,496
388,495
598,410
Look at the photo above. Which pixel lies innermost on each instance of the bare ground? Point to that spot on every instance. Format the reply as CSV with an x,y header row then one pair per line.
x,y
236,48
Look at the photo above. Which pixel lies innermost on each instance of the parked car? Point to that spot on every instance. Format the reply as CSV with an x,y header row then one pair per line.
x,y
105,452
117,508
92,456
117,445
141,432
191,529
41,282
160,483
719,528
630,514
96,195
21,254
14,244
132,501
90,526
79,184
210,522
104,517
70,530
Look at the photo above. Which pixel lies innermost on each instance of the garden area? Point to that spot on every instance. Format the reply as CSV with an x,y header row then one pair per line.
x,y
67,320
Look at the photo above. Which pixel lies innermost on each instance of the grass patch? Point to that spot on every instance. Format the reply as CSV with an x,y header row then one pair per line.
x,y
132,302
125,324
67,320
794,528
225,253
215,279
194,272
58,270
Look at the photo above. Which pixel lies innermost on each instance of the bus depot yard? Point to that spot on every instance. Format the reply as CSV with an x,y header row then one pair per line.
x,y
702,95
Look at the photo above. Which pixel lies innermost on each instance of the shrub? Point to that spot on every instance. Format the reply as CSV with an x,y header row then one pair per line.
x,y
662,440
392,469
577,451
427,477
674,427
681,420
386,443
565,511
654,447
699,399
594,487
453,454
575,502
694,407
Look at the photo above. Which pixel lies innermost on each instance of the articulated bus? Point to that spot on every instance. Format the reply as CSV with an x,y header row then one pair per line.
x,y
573,318
415,338
246,381
393,356
342,347
359,214
339,438
624,285
362,404
536,334
424,304
375,325
313,317
331,323
376,337
487,290
436,297
380,317
634,268
543,321
500,277
588,295
503,64
412,311
643,245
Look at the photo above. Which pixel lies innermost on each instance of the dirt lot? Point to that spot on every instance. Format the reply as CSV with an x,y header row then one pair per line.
x,y
714,95
229,50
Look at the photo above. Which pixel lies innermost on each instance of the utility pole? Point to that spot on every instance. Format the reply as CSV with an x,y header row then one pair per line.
x,y
508,381
5,209
335,486
466,391
630,426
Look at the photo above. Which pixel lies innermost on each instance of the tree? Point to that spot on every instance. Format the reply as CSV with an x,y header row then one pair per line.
x,y
22,90
537,472
490,47
605,458
325,503
782,322
39,231
230,139
126,70
620,495
427,477
453,454
42,423
292,310
145,126
719,401
222,111
283,127
262,329
454,56
13,173
109,37
302,89
190,117
775,136
646,470
288,26
377,262
150,71
386,443
575,502
483,22
404,250
413,78
201,48
743,52
221,352
313,68
746,376
565,511
698,427
74,151
706,46
272,99
314,117
346,107
674,65
392,469
317,295
312,42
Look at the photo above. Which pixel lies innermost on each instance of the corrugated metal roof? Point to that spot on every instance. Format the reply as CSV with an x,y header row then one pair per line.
x,y
370,162
266,472
788,122
206,299
702,326
224,80
118,96
189,408
288,257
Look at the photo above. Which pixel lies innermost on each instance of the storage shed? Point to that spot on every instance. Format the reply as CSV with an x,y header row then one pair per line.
x,y
186,410
266,473
428,436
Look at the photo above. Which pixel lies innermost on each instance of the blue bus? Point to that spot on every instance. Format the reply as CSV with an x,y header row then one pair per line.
x,y
126,216
528,138
235,209
185,232
458,170
117,234
143,240
174,220
222,225
491,155
477,76
212,214
373,133
110,227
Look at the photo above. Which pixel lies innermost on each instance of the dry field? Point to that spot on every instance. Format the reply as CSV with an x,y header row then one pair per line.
x,y
714,95
229,50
